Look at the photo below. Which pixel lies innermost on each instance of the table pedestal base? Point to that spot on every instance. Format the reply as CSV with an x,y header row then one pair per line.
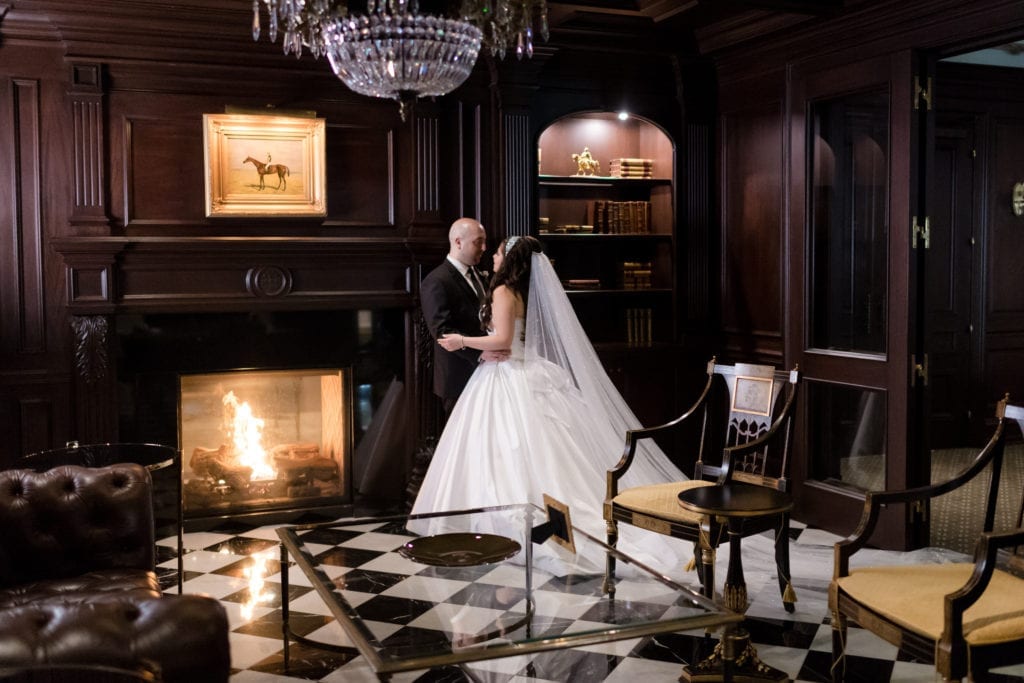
x,y
734,655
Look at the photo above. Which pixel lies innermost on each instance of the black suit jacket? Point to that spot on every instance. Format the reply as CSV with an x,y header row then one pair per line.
x,y
450,305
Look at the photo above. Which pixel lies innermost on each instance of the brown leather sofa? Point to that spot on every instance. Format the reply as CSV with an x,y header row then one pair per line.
x,y
77,580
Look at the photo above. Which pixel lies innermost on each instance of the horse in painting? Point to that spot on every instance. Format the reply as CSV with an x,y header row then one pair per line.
x,y
280,170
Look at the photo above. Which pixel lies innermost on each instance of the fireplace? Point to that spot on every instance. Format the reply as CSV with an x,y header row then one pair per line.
x,y
319,380
257,440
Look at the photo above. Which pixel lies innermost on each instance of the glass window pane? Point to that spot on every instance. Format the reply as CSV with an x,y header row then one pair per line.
x,y
847,429
849,213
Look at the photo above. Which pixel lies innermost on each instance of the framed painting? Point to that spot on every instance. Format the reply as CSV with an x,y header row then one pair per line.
x,y
259,165
753,395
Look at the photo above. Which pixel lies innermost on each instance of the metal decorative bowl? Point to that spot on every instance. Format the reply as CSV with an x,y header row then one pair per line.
x,y
459,549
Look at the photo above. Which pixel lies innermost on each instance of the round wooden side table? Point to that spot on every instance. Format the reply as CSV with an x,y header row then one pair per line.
x,y
734,658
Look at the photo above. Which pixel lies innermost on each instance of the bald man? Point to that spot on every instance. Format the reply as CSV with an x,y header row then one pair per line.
x,y
451,296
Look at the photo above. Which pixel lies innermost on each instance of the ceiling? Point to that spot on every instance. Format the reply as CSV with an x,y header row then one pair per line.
x,y
672,21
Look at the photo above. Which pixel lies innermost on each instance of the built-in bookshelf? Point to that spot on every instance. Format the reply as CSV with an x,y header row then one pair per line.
x,y
611,237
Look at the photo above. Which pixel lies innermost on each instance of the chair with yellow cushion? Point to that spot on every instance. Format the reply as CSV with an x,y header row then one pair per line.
x,y
756,451
967,617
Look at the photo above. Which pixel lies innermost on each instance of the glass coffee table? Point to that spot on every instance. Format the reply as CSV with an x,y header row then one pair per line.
x,y
415,592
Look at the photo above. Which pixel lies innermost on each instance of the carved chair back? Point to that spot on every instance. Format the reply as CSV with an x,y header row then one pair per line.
x,y
757,426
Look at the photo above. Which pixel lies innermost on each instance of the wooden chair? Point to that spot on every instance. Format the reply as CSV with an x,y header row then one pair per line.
x,y
966,617
757,435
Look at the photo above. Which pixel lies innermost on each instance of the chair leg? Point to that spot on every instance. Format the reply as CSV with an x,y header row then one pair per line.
x,y
707,563
782,564
696,564
838,647
612,528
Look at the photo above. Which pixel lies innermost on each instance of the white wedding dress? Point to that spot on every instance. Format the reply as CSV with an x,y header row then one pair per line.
x,y
526,426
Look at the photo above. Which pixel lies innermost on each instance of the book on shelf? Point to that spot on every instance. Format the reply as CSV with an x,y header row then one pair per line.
x,y
627,167
582,283
635,274
639,327
619,218
627,162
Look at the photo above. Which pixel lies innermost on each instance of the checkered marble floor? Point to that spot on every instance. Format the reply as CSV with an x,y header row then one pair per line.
x,y
240,566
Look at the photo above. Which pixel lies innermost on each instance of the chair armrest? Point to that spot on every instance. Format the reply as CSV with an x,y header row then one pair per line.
x,y
958,602
635,435
874,501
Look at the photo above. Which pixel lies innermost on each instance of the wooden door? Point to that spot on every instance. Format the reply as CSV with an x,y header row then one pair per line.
x,y
949,283
854,280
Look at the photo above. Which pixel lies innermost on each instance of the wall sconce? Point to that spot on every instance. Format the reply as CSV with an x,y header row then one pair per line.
x,y
1017,199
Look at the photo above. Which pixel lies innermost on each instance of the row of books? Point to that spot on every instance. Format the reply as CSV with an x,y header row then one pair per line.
x,y
619,218
636,274
625,167
639,327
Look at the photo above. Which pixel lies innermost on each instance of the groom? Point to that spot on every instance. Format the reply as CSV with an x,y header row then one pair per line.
x,y
451,296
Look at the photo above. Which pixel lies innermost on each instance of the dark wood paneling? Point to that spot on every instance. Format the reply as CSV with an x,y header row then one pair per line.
x,y
695,206
1004,325
34,414
752,228
27,241
163,171
1006,268
361,177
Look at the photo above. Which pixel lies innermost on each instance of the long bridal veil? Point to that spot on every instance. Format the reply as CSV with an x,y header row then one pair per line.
x,y
554,333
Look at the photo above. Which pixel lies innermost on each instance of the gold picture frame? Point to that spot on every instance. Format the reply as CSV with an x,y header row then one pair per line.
x,y
558,514
260,165
753,395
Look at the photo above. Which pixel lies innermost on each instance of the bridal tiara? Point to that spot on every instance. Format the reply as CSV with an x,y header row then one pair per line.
x,y
510,242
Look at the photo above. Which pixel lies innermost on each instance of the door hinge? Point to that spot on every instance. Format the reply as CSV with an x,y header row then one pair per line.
x,y
924,93
925,233
918,370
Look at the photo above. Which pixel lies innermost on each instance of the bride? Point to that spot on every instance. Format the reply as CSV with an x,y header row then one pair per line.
x,y
547,420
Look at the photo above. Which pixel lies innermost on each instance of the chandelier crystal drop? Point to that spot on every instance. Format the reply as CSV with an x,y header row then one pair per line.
x,y
393,51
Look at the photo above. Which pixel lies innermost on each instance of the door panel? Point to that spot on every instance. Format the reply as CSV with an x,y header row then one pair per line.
x,y
853,148
948,283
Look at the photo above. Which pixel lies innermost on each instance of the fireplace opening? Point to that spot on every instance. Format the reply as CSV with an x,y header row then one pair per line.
x,y
264,439
315,359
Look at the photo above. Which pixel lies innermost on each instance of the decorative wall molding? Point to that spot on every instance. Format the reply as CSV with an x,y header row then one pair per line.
x,y
427,165
22,310
520,161
86,94
268,281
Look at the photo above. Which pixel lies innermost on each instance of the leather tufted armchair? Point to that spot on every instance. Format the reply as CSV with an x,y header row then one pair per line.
x,y
77,581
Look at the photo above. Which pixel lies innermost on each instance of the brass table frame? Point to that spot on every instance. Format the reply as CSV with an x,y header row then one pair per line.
x,y
349,619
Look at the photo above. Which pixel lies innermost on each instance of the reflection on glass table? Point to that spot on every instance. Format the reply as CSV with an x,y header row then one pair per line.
x,y
404,615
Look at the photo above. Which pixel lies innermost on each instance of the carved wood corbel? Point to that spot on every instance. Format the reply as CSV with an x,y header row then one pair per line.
x,y
92,360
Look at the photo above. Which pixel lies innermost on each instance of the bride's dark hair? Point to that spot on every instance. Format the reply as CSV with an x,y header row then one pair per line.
x,y
515,271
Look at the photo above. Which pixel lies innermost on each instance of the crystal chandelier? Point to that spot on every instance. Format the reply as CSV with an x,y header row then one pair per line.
x,y
393,51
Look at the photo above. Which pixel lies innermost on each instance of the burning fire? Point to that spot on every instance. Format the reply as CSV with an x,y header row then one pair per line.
x,y
246,432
